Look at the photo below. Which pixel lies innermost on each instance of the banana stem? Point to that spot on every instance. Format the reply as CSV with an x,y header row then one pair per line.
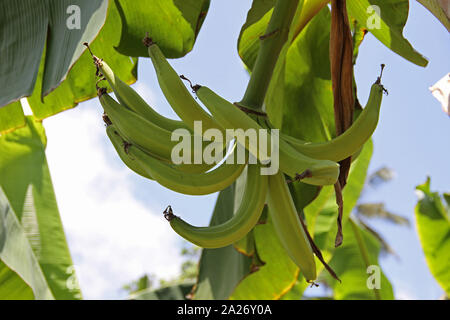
x,y
271,44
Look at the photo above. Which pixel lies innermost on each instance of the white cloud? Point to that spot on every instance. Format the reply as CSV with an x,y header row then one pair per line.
x,y
113,238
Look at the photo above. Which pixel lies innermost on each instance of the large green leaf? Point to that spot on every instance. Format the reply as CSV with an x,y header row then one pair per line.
x,y
307,83
359,252
257,11
25,179
360,248
80,82
302,86
30,26
220,270
323,203
258,18
392,16
323,217
433,226
21,277
11,117
276,276
255,25
126,24
392,19
173,24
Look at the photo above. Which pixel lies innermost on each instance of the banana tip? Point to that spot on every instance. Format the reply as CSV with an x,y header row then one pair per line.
x,y
168,214
101,91
381,74
106,119
147,41
196,87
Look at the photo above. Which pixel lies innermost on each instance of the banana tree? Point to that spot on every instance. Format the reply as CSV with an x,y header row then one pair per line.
x,y
300,55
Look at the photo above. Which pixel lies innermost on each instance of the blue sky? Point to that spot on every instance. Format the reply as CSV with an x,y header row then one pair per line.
x,y
113,217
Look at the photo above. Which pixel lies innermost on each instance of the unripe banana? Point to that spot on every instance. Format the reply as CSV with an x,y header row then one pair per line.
x,y
238,226
316,172
128,97
292,162
184,182
176,92
352,140
288,226
120,146
137,130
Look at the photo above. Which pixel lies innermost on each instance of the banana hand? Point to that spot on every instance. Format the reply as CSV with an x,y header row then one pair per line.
x,y
128,97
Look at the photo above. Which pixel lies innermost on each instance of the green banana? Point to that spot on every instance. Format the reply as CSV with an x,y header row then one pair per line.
x,y
266,123
230,117
352,140
128,97
316,172
288,226
132,101
245,218
120,146
292,162
176,92
184,182
137,130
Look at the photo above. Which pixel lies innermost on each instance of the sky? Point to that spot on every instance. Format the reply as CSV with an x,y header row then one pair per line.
x,y
113,217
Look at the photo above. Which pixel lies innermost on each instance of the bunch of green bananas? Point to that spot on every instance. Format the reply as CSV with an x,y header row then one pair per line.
x,y
143,139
